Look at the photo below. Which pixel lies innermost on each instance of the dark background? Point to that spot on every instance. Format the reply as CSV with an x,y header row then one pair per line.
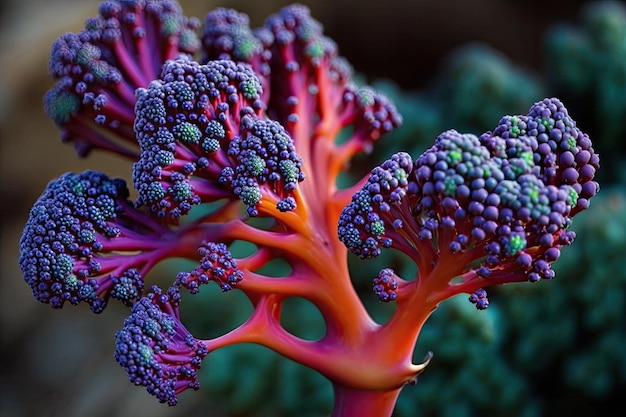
x,y
59,363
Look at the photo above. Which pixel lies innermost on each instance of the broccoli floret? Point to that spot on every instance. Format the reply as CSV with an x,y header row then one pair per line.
x,y
498,206
227,35
266,159
78,243
98,69
156,350
202,139
216,264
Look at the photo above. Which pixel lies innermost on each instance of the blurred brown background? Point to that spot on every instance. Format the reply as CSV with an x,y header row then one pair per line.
x,y
59,363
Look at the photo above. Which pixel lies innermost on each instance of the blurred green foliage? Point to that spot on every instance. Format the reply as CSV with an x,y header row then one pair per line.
x,y
586,68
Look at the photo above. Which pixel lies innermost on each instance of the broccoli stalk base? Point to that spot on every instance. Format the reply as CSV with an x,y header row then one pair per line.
x,y
351,402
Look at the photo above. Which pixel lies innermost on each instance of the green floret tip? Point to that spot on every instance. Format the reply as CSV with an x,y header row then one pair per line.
x,y
315,49
378,228
146,354
164,158
155,191
245,48
572,196
61,105
366,97
401,174
548,123
454,157
528,158
87,54
182,91
181,190
255,165
187,132
450,186
515,130
170,25
250,88
188,40
64,267
71,282
515,244
289,169
571,142
214,129
250,195
86,236
363,200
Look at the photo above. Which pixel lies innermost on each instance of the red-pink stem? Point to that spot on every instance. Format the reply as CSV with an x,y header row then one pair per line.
x,y
351,402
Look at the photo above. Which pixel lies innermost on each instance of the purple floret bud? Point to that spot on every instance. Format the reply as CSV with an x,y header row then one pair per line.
x,y
361,232
81,240
216,264
266,161
385,285
479,298
227,35
98,69
156,350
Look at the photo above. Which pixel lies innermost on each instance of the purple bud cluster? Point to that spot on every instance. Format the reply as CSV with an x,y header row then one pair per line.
x,y
479,298
265,157
98,69
216,264
385,285
502,201
372,114
364,222
301,68
202,139
66,244
227,35
156,350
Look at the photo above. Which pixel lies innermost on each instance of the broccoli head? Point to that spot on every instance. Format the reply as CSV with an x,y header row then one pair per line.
x,y
85,242
98,69
473,212
156,350
204,137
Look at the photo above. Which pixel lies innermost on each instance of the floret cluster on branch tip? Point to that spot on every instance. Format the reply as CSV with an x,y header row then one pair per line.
x,y
501,202
98,69
216,265
156,349
204,136
72,233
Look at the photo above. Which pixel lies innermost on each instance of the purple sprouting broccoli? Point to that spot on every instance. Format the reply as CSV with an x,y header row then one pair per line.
x,y
98,69
85,242
203,137
255,138
156,349
474,212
